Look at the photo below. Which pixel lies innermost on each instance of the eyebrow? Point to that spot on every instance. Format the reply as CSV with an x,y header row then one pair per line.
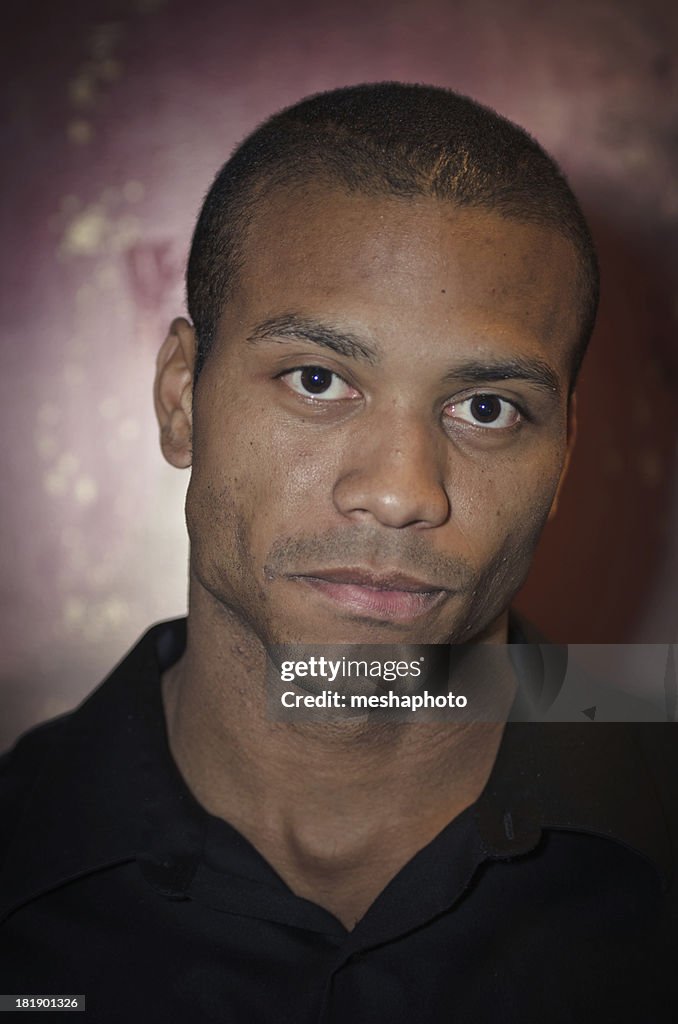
x,y
294,327
532,371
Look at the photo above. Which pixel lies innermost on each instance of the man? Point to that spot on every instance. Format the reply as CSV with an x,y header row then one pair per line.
x,y
391,289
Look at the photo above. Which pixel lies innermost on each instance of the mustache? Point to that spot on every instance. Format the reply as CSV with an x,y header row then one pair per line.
x,y
405,552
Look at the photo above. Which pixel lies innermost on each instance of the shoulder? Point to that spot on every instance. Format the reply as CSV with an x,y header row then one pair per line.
x,y
79,774
21,767
658,743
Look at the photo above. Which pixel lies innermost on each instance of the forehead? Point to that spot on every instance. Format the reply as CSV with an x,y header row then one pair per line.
x,y
418,266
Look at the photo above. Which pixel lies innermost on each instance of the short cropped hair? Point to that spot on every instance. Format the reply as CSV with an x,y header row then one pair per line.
x,y
383,139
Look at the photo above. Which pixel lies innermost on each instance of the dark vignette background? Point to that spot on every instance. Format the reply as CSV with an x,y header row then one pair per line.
x,y
117,114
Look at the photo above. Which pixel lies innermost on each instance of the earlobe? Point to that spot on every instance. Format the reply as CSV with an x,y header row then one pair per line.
x,y
173,393
571,438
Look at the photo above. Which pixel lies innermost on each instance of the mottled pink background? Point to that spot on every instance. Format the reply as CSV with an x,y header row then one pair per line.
x,y
117,115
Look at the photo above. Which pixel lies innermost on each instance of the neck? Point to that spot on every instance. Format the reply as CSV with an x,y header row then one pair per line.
x,y
336,808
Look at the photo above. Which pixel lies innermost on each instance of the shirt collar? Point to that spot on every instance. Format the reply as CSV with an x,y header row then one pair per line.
x,y
132,803
567,776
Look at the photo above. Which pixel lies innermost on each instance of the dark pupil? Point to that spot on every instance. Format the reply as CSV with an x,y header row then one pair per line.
x,y
485,408
316,379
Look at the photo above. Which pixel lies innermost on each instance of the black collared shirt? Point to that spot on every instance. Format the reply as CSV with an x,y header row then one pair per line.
x,y
551,899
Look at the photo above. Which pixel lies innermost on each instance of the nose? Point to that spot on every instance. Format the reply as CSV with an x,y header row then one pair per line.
x,y
395,475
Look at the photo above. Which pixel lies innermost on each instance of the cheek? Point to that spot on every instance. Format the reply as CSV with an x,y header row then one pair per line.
x,y
254,477
288,481
501,507
514,489
510,514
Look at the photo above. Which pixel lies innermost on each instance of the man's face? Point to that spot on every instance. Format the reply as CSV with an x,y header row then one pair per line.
x,y
381,425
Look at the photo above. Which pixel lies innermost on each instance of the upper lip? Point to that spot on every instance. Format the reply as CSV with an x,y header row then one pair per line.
x,y
378,581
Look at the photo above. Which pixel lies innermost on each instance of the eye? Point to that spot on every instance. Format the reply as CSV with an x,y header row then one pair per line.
x,y
485,411
318,382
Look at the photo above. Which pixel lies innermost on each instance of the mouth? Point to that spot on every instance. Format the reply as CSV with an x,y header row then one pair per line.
x,y
389,596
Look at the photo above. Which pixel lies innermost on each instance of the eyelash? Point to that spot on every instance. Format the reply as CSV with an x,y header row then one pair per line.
x,y
512,404
519,409
322,369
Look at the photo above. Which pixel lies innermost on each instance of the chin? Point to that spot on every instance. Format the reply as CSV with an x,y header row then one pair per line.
x,y
359,630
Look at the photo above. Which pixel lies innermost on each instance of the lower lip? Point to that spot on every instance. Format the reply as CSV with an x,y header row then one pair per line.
x,y
397,605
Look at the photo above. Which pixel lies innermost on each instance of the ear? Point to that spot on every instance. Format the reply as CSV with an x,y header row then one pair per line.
x,y
571,438
173,393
